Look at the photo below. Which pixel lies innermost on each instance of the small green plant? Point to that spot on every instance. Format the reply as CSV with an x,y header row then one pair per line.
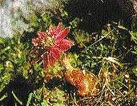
x,y
50,64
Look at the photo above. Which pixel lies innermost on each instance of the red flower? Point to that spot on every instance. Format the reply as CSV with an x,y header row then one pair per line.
x,y
50,44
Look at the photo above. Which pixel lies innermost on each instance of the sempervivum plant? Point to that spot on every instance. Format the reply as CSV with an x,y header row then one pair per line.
x,y
49,45
84,82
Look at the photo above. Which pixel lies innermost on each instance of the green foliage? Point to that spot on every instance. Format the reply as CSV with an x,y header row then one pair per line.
x,y
57,97
110,54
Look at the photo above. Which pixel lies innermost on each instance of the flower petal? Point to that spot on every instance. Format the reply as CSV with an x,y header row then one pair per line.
x,y
62,34
35,41
64,44
51,57
58,29
51,60
45,61
55,53
42,34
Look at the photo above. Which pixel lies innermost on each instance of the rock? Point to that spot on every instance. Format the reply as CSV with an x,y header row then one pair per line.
x,y
9,13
